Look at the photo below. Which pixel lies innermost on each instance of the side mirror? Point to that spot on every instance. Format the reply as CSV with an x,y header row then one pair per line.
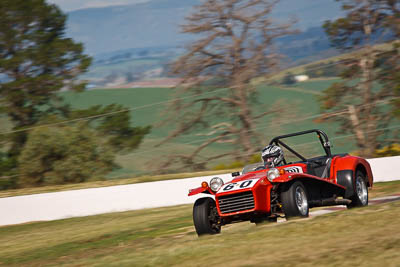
x,y
234,174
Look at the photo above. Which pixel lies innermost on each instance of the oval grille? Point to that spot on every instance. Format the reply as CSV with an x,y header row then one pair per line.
x,y
236,202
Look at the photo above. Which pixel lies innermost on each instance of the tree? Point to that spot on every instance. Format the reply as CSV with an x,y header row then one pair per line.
x,y
115,128
36,61
288,79
367,84
58,152
7,179
63,154
235,46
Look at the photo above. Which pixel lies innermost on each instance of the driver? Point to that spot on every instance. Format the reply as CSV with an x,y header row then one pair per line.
x,y
272,156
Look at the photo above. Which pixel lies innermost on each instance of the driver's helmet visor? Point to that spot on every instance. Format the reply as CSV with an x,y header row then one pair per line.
x,y
269,158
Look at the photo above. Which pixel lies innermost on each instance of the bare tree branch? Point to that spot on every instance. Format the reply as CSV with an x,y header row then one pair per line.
x,y
236,46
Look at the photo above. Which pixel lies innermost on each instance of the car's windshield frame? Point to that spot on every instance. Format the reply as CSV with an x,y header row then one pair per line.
x,y
323,138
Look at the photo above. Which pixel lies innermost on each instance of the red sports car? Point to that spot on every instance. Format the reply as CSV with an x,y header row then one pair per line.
x,y
263,193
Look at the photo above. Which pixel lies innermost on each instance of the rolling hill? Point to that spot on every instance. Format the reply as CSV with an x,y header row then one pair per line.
x,y
156,23
137,42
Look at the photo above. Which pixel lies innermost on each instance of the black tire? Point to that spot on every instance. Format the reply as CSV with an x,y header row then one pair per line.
x,y
205,217
360,191
294,201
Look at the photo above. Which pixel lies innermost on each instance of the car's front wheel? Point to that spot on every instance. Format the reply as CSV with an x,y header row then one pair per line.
x,y
294,201
360,194
205,217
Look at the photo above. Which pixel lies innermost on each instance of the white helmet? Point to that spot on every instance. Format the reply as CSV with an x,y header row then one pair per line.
x,y
272,156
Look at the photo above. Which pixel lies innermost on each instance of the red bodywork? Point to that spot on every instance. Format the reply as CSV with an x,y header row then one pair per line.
x,y
350,163
262,188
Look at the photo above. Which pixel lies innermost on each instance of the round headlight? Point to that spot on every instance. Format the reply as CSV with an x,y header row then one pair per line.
x,y
272,174
216,183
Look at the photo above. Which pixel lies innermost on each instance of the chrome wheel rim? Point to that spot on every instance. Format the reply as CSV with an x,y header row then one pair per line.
x,y
362,191
301,200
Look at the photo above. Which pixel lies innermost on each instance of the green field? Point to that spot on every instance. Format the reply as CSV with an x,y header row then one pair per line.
x,y
166,237
148,107
149,104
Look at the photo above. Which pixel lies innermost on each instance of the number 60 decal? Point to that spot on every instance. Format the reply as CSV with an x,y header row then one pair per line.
x,y
240,185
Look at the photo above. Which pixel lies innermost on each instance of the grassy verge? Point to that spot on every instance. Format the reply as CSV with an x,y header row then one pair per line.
x,y
385,189
165,237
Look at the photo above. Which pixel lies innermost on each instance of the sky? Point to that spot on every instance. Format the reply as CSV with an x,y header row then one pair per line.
x,y
69,5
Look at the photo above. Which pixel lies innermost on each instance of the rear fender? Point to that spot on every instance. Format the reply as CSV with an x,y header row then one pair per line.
x,y
345,169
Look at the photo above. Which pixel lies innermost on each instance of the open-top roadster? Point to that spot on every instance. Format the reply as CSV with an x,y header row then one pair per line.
x,y
263,194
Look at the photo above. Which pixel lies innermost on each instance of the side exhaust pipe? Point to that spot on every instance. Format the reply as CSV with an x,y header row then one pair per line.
x,y
329,202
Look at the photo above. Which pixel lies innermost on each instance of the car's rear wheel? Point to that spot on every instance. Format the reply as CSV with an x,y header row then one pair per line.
x,y
294,201
205,217
360,194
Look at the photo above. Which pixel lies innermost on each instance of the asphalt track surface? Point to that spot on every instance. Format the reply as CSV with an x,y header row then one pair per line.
x,y
374,201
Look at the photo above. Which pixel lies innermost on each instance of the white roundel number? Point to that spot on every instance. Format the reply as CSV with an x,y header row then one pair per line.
x,y
239,185
294,169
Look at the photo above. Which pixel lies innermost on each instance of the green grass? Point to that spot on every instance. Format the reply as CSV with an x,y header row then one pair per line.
x,y
317,85
384,189
129,98
166,237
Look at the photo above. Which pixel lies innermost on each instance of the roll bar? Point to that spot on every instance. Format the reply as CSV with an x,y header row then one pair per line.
x,y
323,138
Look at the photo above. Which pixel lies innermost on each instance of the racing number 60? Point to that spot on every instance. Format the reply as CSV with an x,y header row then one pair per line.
x,y
229,187
244,184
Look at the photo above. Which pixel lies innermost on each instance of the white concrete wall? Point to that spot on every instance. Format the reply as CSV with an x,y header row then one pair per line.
x,y
385,169
84,202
